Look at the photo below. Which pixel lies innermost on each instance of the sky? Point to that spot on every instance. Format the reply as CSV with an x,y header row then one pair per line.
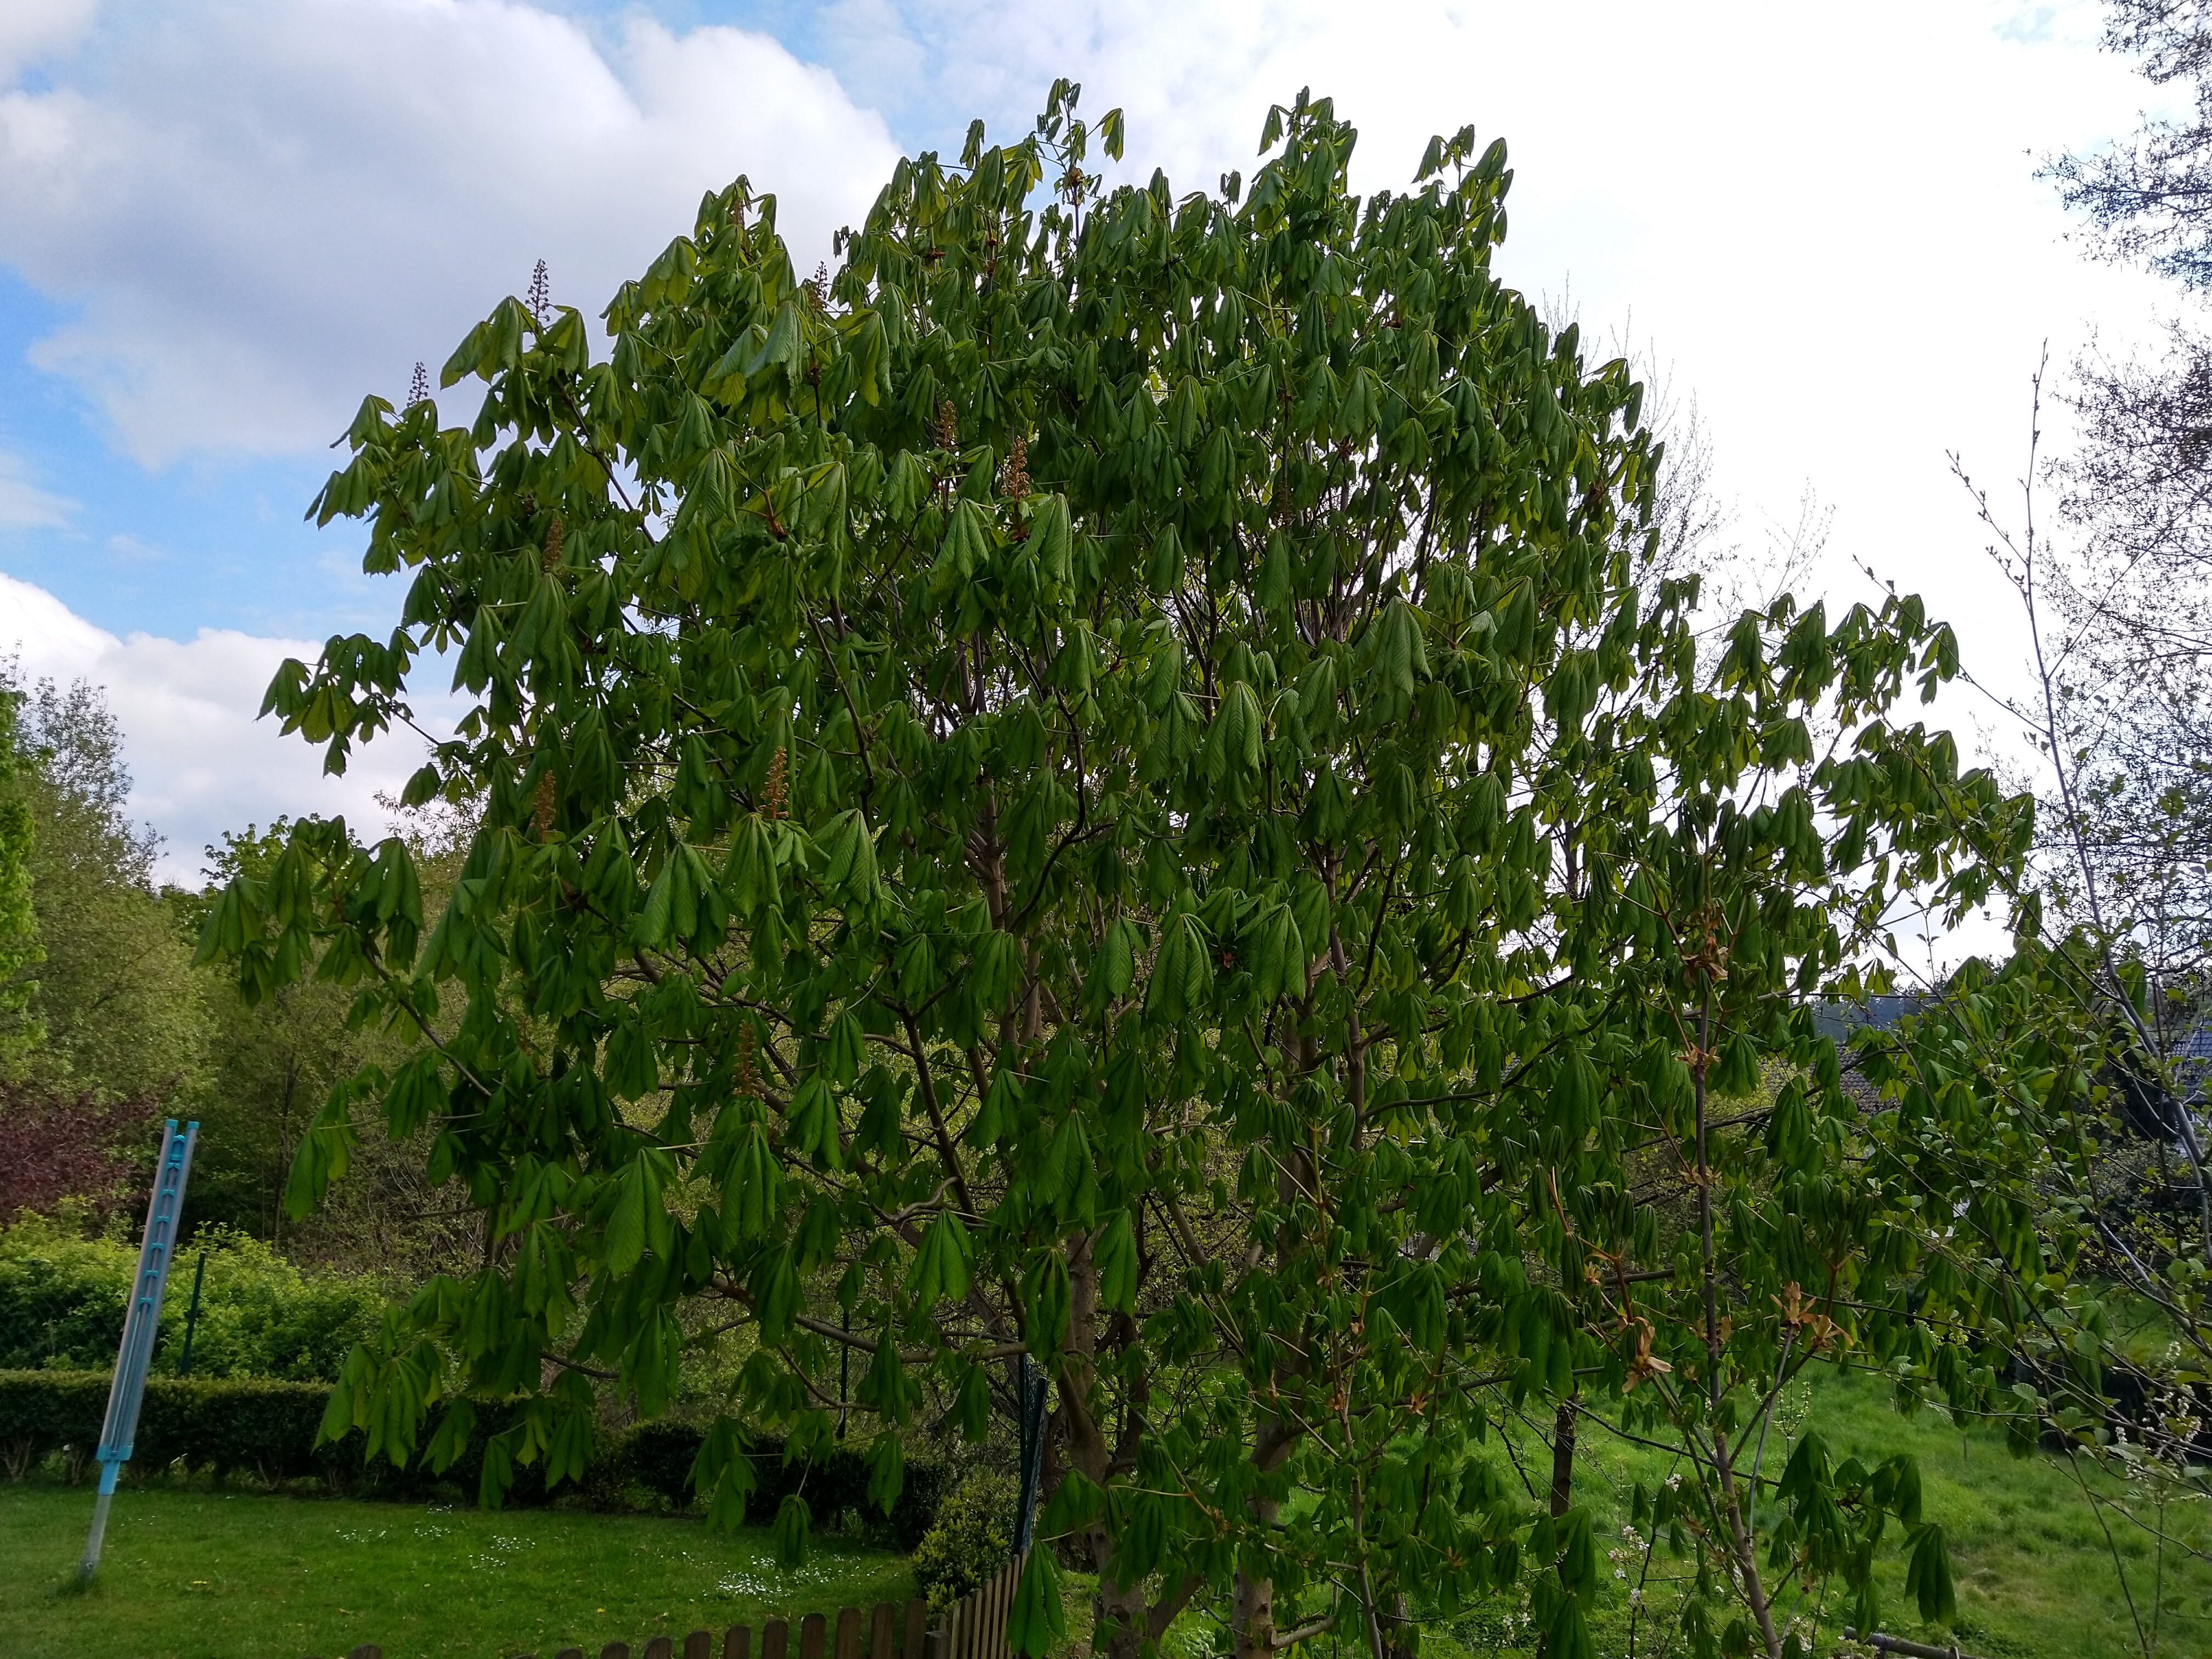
x,y
223,222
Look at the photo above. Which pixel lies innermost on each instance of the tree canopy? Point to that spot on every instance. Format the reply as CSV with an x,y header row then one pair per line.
x,y
1100,784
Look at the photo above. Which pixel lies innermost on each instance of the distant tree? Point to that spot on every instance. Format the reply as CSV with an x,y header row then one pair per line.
x,y
19,950
2149,198
57,1148
271,1065
2123,595
116,1008
2073,1072
1101,785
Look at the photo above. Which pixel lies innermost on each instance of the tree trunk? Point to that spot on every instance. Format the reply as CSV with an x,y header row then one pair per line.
x,y
1255,1607
1562,1459
1397,1630
1563,1475
1252,1610
1120,1615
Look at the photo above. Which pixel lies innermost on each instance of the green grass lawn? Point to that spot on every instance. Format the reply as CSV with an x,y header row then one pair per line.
x,y
211,1575
2034,1574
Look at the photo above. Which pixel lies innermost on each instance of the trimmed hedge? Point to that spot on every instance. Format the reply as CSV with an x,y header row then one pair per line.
x,y
258,1426
266,1429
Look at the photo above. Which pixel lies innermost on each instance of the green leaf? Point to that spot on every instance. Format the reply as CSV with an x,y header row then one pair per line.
x,y
940,1269
1115,1255
1115,970
1076,1503
850,871
794,1521
637,1218
972,1411
845,1052
1928,1575
1039,1621
815,1124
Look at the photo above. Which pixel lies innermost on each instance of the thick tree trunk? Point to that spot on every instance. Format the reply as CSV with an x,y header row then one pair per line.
x,y
1255,1611
1122,1618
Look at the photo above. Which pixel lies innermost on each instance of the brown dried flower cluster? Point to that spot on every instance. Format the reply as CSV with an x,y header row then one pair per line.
x,y
773,791
748,1077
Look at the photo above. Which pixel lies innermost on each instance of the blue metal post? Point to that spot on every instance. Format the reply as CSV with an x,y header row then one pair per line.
x,y
140,1323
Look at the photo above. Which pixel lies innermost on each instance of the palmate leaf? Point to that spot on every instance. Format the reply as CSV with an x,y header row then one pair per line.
x,y
1181,969
941,1267
1115,970
794,1520
1039,1621
1115,1254
1928,1575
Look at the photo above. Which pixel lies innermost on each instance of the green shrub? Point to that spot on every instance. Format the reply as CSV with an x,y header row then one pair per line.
x,y
262,1316
971,1538
920,1501
659,1457
833,1481
62,1300
248,1426
265,1429
256,1426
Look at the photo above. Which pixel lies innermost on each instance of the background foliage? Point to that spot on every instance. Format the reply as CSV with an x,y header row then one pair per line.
x,y
62,1296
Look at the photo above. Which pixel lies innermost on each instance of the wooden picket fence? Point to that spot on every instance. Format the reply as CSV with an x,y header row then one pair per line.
x,y
975,1627
972,1628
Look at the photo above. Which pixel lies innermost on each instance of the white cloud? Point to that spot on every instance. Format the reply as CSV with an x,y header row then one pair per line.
x,y
264,208
200,762
1824,219
23,504
31,29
